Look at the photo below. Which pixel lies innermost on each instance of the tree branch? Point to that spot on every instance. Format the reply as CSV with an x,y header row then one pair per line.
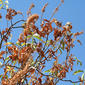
x,y
9,30
58,79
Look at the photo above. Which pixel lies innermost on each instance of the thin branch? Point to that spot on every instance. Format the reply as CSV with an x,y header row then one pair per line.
x,y
4,63
70,81
26,81
58,79
45,43
17,27
13,66
41,18
46,75
9,30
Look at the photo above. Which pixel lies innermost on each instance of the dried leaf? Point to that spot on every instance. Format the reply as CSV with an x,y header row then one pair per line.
x,y
43,9
32,18
32,70
79,42
1,53
62,1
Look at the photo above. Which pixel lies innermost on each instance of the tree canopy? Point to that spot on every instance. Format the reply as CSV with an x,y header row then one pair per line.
x,y
26,61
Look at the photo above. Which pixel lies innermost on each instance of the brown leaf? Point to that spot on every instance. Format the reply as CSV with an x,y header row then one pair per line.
x,y
43,9
32,70
1,53
32,18
0,16
62,1
79,42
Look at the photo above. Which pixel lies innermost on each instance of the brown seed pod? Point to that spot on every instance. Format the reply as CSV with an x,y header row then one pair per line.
x,y
32,18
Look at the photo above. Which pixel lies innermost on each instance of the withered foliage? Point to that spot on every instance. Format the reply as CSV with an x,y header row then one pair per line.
x,y
43,9
25,60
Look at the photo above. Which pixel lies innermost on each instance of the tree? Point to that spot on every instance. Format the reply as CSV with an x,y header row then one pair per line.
x,y
24,62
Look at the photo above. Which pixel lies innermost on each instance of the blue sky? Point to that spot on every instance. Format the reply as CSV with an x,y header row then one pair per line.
x,y
72,11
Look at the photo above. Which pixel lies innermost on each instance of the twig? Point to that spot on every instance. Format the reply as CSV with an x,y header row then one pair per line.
x,y
70,81
45,43
9,30
46,75
17,27
57,78
13,66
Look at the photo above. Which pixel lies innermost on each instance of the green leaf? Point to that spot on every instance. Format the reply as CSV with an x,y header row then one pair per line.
x,y
47,71
78,61
48,42
63,46
8,68
6,76
1,75
6,1
1,2
39,38
56,73
74,84
6,4
18,43
7,58
27,44
14,62
60,51
8,43
23,44
82,77
29,36
33,62
32,41
77,72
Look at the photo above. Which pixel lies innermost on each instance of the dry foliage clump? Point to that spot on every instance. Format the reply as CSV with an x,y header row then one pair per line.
x,y
25,60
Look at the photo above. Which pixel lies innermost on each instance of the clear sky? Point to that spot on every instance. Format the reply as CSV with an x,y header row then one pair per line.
x,y
72,11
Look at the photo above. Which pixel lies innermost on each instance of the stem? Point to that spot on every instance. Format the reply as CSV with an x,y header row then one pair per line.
x,y
9,30
45,43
